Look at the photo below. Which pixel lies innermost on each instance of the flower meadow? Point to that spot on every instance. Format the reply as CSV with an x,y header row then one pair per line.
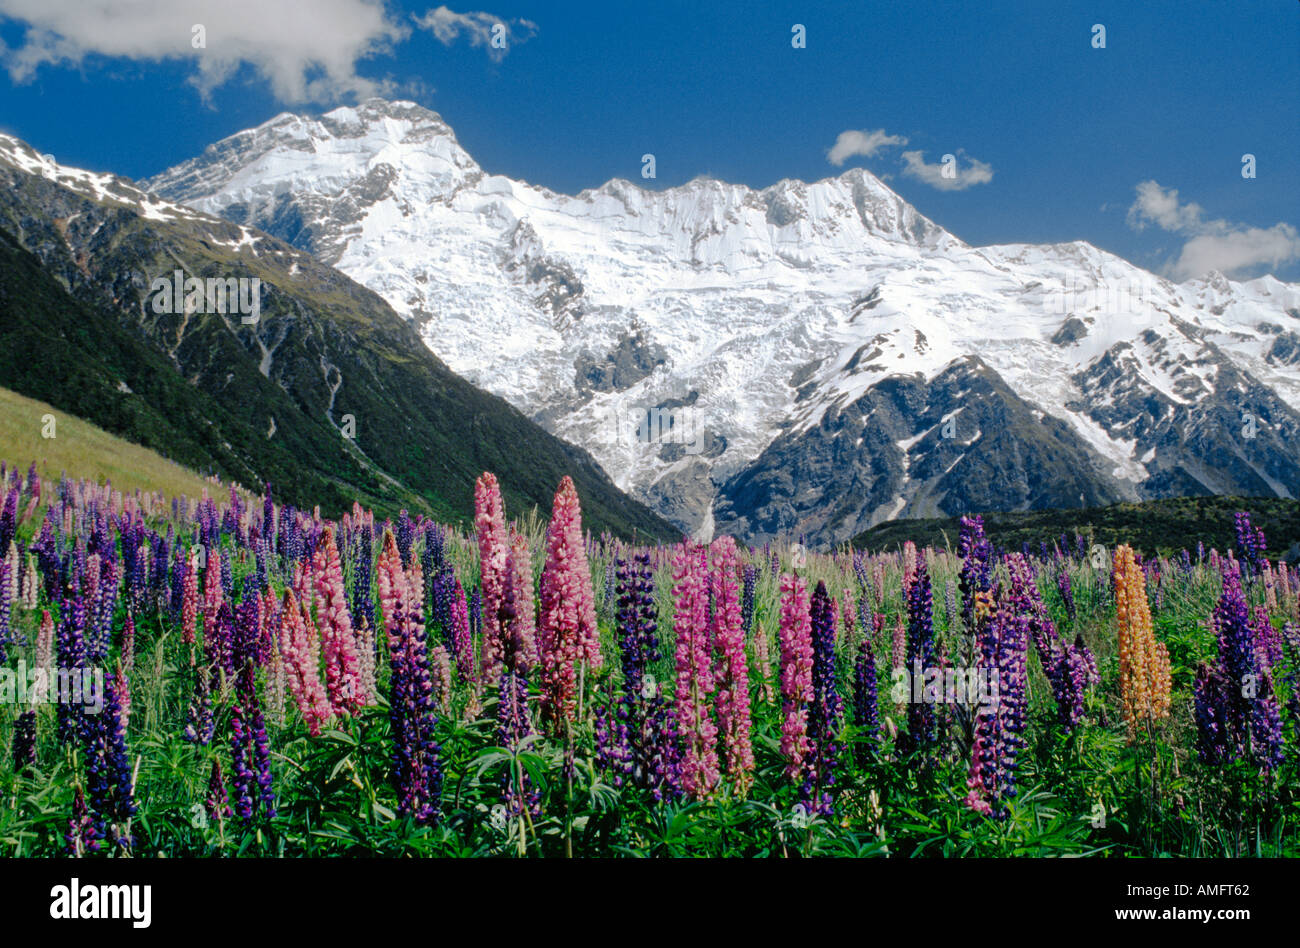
x,y
228,676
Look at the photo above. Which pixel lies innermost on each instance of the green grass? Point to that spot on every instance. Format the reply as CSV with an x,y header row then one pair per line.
x,y
81,450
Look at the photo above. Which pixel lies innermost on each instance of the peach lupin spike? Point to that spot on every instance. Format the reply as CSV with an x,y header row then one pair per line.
x,y
493,549
568,637
342,664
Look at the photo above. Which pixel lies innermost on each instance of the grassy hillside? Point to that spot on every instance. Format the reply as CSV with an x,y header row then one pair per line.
x,y
1157,525
82,450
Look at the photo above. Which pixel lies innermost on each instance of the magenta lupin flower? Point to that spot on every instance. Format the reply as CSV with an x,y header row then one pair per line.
x,y
796,672
567,634
462,642
493,549
695,677
519,610
732,699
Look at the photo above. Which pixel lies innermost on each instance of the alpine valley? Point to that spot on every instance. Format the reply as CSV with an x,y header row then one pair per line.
x,y
841,359
322,391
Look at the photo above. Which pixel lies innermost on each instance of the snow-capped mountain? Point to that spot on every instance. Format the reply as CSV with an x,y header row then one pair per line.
x,y
815,358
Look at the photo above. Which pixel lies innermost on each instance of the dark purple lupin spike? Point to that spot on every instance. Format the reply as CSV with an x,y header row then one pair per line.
x,y
922,726
824,715
866,715
24,755
108,767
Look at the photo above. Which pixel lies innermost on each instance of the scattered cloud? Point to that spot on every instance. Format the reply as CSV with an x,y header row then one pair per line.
x,y
448,25
862,144
307,50
945,174
1232,249
1160,206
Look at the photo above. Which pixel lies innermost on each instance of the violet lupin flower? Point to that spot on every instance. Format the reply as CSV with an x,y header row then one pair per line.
x,y
922,725
251,758
71,656
9,519
749,583
1237,695
1067,592
866,714
462,637
108,767
217,802
4,611
640,729
1003,649
24,750
825,714
417,773
975,575
83,834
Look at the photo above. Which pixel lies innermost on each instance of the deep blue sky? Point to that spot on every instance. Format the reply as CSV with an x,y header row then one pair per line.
x,y
1180,92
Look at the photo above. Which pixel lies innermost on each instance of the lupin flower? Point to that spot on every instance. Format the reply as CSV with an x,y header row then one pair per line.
x,y
71,657
695,674
975,575
343,675
462,641
251,757
922,725
1067,592
749,584
108,766
728,635
24,749
567,634
518,611
200,726
83,834
1003,649
417,773
825,713
1236,708
190,600
1144,670
796,673
637,734
493,548
216,804
300,650
866,714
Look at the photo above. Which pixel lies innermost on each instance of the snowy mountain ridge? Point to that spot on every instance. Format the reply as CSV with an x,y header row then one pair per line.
x,y
761,324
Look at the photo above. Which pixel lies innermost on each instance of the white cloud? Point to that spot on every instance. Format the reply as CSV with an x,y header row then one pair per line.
x,y
307,50
976,171
864,144
447,26
1236,252
1232,249
1160,206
